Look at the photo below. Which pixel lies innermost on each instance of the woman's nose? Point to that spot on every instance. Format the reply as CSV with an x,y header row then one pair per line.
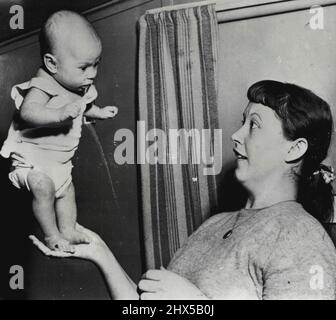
x,y
237,136
234,136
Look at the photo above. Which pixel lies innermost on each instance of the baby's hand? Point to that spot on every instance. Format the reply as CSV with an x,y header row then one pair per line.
x,y
109,112
72,110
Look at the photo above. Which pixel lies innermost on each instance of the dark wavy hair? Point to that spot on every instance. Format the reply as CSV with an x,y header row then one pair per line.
x,y
303,115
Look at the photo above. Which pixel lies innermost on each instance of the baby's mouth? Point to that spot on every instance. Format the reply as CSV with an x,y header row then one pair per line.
x,y
239,155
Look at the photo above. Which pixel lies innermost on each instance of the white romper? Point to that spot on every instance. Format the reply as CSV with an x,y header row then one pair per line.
x,y
47,149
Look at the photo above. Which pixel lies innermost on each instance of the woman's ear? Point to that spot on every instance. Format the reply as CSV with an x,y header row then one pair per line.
x,y
297,149
50,63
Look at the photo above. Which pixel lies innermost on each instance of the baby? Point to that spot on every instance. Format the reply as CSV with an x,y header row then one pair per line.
x,y
46,128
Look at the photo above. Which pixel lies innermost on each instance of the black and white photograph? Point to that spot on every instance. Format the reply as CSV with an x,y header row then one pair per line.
x,y
168,150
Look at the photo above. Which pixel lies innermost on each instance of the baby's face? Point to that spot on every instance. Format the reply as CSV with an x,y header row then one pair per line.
x,y
77,62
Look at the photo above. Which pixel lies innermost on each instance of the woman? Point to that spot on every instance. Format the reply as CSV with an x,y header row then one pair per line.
x,y
274,248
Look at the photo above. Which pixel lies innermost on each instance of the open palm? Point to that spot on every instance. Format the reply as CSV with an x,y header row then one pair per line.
x,y
91,251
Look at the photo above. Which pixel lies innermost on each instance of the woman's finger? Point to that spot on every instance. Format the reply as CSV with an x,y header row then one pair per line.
x,y
149,285
147,296
46,251
40,245
61,254
153,274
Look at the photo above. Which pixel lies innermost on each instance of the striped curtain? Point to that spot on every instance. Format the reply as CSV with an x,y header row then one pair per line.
x,y
177,90
331,160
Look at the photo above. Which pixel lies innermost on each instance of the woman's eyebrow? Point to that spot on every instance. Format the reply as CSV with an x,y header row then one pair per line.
x,y
256,114
246,111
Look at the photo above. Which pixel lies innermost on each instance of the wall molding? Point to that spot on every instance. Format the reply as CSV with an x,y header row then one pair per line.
x,y
228,12
233,10
221,5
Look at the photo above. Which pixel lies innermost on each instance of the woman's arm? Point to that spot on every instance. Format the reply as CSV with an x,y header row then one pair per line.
x,y
120,285
155,284
301,265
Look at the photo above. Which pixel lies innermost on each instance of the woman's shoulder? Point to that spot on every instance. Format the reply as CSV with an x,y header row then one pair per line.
x,y
291,225
289,214
217,218
291,243
221,216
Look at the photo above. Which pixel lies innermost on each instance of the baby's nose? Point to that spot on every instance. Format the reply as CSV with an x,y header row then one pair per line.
x,y
92,73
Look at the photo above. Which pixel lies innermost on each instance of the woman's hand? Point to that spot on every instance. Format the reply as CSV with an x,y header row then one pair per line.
x,y
166,285
95,251
119,283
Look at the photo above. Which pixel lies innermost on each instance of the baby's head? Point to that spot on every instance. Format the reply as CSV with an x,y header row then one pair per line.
x,y
70,50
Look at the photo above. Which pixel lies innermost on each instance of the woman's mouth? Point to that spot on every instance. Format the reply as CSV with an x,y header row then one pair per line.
x,y
239,155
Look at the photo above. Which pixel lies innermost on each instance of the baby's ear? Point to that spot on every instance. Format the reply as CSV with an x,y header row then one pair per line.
x,y
50,62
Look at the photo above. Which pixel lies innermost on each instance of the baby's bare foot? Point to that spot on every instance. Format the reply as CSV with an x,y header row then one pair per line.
x,y
58,243
75,237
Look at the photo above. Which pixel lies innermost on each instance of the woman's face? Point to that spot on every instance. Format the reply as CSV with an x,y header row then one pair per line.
x,y
260,146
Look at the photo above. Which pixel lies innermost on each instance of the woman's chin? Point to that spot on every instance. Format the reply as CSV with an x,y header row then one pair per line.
x,y
240,175
241,170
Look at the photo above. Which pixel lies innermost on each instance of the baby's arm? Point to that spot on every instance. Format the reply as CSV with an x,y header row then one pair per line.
x,y
101,113
34,112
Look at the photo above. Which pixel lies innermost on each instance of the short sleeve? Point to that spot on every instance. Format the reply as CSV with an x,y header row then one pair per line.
x,y
301,265
19,91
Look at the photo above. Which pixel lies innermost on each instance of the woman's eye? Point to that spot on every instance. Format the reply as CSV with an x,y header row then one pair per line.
x,y
83,68
253,125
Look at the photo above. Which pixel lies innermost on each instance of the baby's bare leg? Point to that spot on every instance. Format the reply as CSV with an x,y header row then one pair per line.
x,y
43,190
66,211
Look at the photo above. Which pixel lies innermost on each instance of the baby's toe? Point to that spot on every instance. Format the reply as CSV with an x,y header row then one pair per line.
x,y
52,242
57,243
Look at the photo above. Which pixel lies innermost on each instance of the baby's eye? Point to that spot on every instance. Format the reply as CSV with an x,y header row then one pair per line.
x,y
83,68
